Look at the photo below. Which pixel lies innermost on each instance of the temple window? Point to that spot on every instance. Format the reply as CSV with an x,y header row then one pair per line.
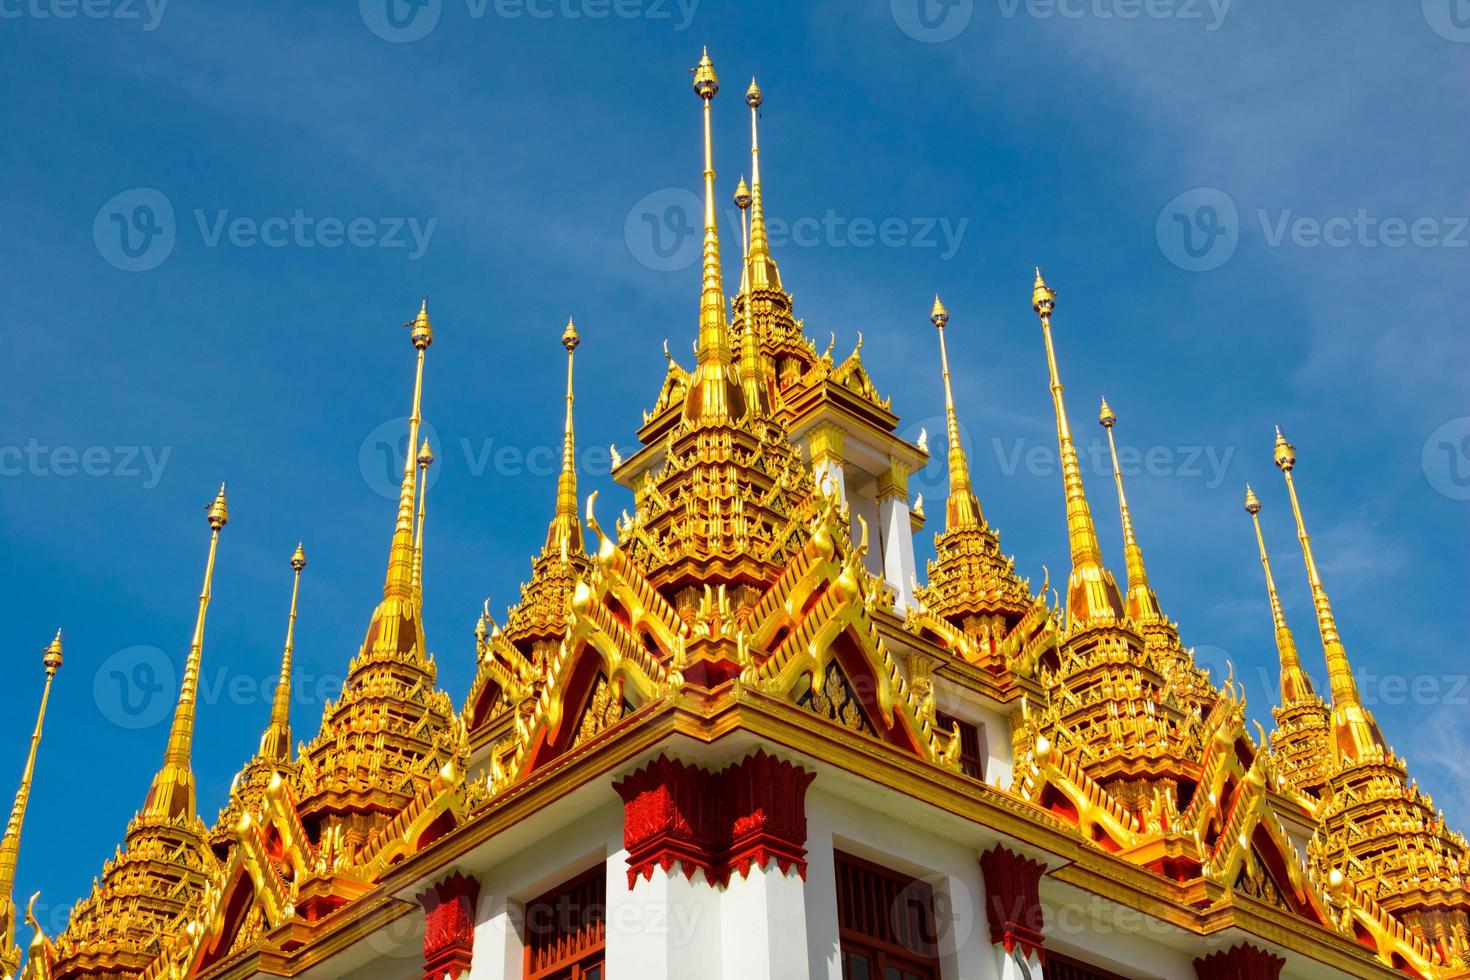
x,y
566,930
886,923
972,743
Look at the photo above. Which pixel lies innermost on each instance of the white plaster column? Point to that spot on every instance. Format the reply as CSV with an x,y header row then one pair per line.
x,y
763,915
1017,965
663,928
826,442
900,568
820,896
499,947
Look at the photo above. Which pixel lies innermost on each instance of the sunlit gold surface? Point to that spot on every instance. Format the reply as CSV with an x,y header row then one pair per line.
x,y
735,599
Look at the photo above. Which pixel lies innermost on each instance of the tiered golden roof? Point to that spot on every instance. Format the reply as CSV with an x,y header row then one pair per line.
x,y
736,597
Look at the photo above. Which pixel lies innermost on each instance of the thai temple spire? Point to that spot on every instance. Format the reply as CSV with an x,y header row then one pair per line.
x,y
564,537
10,844
963,509
1092,595
1142,601
763,271
1355,731
1296,685
172,793
425,460
275,744
714,393
399,581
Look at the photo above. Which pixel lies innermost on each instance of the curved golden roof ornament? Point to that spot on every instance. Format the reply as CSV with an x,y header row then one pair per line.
x,y
714,393
1356,733
1092,595
275,744
1141,600
172,793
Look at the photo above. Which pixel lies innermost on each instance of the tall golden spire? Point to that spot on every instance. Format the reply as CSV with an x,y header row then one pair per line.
x,y
564,537
399,581
10,844
275,744
963,509
172,792
762,266
1296,686
714,390
753,380
1092,595
425,460
1142,602
1355,732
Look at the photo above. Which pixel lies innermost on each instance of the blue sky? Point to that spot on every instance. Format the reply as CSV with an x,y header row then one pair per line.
x,y
1254,214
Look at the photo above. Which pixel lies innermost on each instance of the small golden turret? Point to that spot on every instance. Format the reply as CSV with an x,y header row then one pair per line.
x,y
172,793
1142,601
1355,731
763,271
399,581
1092,595
10,844
425,459
1296,685
963,509
275,743
564,537
714,392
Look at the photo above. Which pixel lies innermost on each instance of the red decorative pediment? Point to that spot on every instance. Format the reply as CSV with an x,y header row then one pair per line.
x,y
745,816
1013,900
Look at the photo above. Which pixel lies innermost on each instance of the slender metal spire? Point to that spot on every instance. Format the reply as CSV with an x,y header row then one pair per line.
x,y
1092,595
275,744
1142,602
763,271
399,581
425,460
564,537
172,793
1296,686
1355,730
963,509
10,844
714,390
753,379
